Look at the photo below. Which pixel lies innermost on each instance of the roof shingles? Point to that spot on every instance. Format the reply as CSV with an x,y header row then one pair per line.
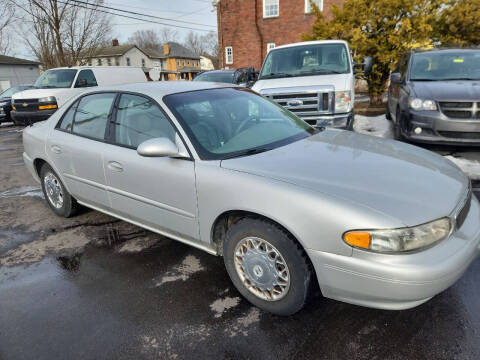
x,y
9,60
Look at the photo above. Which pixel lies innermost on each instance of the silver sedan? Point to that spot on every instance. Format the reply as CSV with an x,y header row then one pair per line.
x,y
375,222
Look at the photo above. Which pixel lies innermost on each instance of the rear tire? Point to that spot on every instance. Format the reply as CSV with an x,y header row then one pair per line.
x,y
57,196
267,266
388,116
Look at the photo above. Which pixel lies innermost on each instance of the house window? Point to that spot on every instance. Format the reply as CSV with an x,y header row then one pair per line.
x,y
309,9
229,55
109,62
178,62
99,62
270,8
117,61
143,62
89,62
128,61
183,62
270,46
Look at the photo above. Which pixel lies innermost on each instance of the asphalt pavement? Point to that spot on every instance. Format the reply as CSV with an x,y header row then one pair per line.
x,y
94,287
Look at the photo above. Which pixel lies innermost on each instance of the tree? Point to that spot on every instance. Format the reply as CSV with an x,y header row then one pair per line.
x,y
6,22
458,22
168,35
146,39
63,33
382,29
202,44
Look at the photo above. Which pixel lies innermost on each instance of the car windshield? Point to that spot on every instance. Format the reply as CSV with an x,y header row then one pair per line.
x,y
232,122
61,78
13,90
319,59
446,65
223,77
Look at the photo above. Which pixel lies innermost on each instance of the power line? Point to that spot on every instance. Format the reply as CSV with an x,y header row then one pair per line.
x,y
137,13
132,17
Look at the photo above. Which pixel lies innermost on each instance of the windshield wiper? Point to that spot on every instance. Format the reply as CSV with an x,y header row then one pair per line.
x,y
247,153
420,79
275,75
464,78
320,71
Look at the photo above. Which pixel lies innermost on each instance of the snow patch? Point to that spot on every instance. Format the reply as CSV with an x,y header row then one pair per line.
x,y
189,266
243,323
373,125
219,306
470,167
22,191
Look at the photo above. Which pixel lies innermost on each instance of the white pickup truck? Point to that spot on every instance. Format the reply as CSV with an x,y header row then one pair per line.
x,y
314,79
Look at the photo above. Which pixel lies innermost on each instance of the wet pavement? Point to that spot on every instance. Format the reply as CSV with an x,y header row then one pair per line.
x,y
94,287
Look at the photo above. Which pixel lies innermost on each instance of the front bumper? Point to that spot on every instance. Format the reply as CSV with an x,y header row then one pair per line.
x,y
339,121
440,129
396,282
26,117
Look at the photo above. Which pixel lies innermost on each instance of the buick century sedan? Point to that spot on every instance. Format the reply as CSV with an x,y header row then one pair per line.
x,y
375,222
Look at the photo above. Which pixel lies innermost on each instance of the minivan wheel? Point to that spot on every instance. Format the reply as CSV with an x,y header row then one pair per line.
x,y
398,126
57,196
267,266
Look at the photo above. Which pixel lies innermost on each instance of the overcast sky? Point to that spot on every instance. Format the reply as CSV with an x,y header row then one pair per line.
x,y
196,11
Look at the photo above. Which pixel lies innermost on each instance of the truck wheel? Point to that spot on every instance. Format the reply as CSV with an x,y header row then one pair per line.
x,y
57,196
267,266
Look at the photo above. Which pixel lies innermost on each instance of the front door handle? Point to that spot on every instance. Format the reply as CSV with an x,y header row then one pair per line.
x,y
115,166
56,149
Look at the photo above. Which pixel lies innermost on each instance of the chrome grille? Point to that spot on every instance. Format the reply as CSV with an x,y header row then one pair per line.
x,y
461,109
309,104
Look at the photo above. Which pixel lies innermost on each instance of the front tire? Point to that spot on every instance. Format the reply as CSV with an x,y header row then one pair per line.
x,y
398,126
57,196
267,266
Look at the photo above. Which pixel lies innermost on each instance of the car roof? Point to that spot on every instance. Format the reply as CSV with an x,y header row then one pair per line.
x,y
315,42
158,89
220,71
444,50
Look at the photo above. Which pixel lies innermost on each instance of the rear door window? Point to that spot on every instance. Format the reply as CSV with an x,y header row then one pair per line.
x,y
86,78
67,120
92,115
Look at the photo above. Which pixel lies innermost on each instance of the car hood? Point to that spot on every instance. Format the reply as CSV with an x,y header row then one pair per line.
x,y
62,95
400,180
447,90
339,81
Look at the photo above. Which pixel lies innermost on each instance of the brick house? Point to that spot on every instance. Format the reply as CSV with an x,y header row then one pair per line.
x,y
247,29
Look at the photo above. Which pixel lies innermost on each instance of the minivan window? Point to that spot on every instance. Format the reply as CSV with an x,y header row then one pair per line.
x,y
139,119
220,76
60,78
92,114
446,65
85,78
315,59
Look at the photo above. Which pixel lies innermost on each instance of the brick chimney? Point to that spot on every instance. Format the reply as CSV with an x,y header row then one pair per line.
x,y
115,42
166,49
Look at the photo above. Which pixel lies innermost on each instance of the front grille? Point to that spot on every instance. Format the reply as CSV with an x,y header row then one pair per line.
x,y
462,214
460,135
310,106
26,104
461,109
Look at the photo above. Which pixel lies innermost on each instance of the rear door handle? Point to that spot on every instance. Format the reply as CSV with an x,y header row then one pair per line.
x,y
115,166
56,149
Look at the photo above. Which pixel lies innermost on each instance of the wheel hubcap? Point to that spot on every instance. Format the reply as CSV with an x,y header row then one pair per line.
x,y
262,269
53,190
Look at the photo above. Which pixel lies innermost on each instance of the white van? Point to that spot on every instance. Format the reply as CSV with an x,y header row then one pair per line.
x,y
315,80
55,86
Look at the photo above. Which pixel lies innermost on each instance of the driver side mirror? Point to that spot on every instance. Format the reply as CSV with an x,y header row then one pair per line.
x,y
396,78
366,65
159,147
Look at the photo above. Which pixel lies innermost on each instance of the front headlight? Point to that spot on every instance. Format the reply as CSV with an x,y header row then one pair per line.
x,y
400,240
343,101
47,99
421,104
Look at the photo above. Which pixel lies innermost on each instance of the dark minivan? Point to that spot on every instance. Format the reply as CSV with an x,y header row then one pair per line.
x,y
434,97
